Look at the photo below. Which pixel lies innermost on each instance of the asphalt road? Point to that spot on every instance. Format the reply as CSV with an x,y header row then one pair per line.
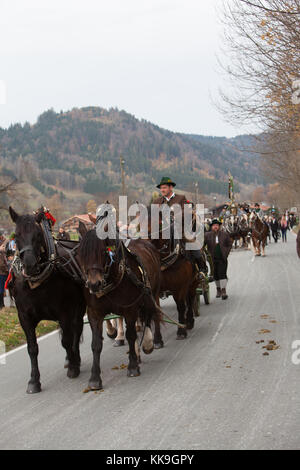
x,y
215,390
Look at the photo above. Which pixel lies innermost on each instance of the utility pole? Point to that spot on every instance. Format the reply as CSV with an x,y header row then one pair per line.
x,y
122,162
196,193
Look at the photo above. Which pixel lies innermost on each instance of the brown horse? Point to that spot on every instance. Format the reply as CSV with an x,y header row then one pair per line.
x,y
123,281
259,235
180,278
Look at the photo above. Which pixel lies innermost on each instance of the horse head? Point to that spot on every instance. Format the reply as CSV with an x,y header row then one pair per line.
x,y
30,240
97,254
231,224
253,219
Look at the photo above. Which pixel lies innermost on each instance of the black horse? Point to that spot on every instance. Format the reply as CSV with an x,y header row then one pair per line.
x,y
43,291
123,281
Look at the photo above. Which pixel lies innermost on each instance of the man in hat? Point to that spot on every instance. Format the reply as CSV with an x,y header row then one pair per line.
x,y
62,234
168,197
219,245
259,211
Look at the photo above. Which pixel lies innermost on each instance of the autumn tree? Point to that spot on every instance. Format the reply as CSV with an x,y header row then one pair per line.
x,y
262,65
91,206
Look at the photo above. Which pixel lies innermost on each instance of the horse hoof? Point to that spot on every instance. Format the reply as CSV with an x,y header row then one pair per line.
x,y
159,345
113,336
95,385
34,388
148,351
73,372
181,337
119,342
190,325
66,364
133,372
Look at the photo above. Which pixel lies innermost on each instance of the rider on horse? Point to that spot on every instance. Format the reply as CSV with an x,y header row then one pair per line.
x,y
259,211
168,196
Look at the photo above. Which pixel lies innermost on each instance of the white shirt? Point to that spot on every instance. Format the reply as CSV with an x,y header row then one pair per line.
x,y
168,199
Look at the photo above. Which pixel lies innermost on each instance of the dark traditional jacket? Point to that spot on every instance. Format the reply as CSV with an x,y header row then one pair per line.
x,y
177,199
224,241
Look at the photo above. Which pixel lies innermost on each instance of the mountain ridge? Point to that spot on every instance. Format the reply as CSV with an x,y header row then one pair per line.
x,y
79,150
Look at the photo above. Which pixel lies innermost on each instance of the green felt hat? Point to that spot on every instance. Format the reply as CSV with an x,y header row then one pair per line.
x,y
216,221
166,180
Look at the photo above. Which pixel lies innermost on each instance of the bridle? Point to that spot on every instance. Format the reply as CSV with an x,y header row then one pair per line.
x,y
106,284
46,267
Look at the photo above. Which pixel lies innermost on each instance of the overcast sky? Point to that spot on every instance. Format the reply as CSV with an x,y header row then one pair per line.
x,y
152,58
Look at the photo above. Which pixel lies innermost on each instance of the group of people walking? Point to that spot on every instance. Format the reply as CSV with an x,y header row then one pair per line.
x,y
279,226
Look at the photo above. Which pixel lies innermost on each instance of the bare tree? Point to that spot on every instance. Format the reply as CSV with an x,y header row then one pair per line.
x,y
262,43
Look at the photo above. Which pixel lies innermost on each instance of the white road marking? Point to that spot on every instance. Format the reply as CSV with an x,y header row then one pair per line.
x,y
24,346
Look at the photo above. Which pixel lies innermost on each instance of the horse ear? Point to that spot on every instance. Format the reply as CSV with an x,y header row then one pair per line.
x,y
82,229
13,214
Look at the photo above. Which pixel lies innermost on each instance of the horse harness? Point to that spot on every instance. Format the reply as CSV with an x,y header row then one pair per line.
x,y
65,264
108,286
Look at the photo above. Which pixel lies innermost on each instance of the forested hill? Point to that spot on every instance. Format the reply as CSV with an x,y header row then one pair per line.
x,y
80,150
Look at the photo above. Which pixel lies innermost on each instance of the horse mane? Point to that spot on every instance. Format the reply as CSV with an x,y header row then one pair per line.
x,y
92,249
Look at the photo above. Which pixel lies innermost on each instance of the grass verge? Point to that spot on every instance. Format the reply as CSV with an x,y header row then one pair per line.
x,y
11,332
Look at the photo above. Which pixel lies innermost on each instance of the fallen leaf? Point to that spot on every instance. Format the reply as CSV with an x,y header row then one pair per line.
x,y
264,332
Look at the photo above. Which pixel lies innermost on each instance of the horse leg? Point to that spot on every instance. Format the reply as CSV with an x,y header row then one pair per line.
x,y
34,384
131,336
67,341
120,339
111,330
263,244
95,382
158,341
181,307
190,321
259,248
138,325
78,328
